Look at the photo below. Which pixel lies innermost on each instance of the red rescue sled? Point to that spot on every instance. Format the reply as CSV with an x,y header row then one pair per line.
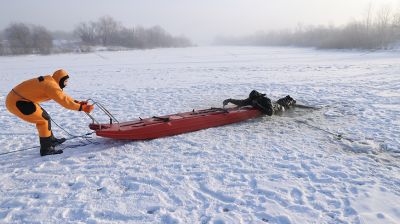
x,y
157,127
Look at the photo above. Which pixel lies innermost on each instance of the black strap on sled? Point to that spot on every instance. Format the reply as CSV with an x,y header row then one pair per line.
x,y
165,119
212,109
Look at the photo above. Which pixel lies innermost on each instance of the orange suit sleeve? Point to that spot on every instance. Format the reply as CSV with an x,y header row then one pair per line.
x,y
55,93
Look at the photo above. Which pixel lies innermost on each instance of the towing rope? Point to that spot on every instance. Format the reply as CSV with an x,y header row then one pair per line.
x,y
338,136
84,136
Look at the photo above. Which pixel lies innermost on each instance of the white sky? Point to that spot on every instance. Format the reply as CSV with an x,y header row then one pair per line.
x,y
200,20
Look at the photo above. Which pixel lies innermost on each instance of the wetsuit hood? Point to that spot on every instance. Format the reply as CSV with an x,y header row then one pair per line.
x,y
255,94
60,76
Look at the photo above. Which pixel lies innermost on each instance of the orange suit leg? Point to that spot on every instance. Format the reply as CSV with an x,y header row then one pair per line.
x,y
30,112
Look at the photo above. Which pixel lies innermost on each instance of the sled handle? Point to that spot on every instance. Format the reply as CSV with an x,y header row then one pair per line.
x,y
108,113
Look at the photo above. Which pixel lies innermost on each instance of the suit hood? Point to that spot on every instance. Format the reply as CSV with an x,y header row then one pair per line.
x,y
60,76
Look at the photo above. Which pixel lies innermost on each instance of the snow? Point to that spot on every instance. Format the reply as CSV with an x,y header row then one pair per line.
x,y
280,169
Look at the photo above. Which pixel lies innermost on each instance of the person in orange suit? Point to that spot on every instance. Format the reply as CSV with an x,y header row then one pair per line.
x,y
23,101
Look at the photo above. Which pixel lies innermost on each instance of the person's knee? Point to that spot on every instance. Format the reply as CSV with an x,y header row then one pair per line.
x,y
46,116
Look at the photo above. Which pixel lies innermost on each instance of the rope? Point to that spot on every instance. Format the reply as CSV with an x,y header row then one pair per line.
x,y
338,136
84,136
19,150
73,136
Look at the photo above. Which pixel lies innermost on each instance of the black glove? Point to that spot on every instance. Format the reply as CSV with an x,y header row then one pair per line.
x,y
81,102
225,102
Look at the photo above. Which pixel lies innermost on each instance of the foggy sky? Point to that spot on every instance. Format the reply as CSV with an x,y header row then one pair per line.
x,y
199,20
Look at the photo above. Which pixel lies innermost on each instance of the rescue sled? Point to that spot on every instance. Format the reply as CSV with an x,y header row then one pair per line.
x,y
168,125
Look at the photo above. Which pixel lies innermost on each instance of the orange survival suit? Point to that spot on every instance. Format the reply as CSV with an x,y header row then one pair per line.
x,y
23,101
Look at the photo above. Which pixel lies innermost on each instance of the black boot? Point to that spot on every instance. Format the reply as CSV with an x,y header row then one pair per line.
x,y
47,148
57,141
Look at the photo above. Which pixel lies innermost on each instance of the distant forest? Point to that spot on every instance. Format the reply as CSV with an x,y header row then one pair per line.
x,y
378,30
21,38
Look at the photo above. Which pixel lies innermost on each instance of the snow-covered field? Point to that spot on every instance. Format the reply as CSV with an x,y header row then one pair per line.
x,y
279,169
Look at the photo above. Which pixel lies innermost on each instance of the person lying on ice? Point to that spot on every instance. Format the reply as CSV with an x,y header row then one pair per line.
x,y
23,101
263,103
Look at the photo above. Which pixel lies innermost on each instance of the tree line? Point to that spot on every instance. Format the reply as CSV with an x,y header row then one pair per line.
x,y
21,38
108,32
377,30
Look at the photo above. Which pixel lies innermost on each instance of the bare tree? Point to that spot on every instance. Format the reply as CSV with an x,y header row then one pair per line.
x,y
382,26
368,18
125,37
396,19
19,38
2,50
157,37
87,32
107,29
140,38
396,26
42,40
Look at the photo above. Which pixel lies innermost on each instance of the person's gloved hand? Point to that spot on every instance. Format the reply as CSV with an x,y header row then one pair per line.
x,y
81,102
87,108
225,102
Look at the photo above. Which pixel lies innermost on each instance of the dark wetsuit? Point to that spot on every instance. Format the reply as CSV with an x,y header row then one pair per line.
x,y
260,101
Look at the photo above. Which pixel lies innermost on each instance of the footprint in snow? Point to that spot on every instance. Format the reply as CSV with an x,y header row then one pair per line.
x,y
153,210
297,196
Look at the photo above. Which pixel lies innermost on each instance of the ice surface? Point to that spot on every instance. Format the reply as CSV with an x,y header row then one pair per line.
x,y
281,169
